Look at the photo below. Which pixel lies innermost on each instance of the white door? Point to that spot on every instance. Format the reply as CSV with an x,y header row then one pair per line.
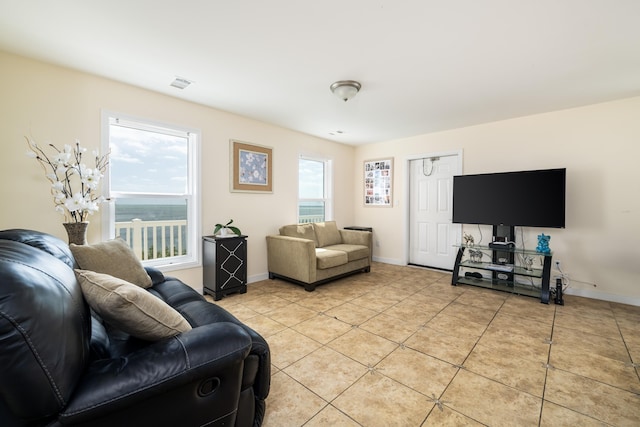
x,y
431,233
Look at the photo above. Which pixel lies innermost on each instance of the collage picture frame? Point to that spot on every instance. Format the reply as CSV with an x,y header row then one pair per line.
x,y
378,182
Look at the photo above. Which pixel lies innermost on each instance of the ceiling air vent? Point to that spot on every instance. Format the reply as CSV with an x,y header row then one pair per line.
x,y
180,83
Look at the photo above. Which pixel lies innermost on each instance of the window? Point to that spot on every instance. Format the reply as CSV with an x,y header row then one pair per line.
x,y
314,196
152,182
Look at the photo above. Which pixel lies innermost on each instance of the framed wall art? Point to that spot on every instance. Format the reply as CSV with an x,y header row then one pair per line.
x,y
378,182
251,168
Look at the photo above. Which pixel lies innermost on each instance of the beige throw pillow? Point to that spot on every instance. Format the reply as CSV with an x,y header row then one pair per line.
x,y
113,257
327,233
303,231
129,307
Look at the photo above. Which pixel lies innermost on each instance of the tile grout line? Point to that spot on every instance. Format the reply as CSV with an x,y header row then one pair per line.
x,y
370,369
461,365
636,366
547,406
548,365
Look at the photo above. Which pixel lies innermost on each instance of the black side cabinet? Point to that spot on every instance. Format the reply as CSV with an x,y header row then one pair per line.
x,y
359,228
224,268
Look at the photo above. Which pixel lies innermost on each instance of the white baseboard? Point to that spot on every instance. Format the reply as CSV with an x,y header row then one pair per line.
x,y
388,260
603,296
258,277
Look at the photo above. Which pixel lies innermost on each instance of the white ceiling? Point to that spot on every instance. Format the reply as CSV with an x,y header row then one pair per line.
x,y
424,65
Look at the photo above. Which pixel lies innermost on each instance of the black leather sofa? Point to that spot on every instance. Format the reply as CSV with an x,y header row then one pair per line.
x,y
61,365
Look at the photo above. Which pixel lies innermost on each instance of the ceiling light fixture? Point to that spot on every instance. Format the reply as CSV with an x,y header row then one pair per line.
x,y
345,89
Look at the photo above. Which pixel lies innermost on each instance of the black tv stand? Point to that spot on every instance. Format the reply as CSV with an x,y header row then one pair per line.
x,y
503,234
504,272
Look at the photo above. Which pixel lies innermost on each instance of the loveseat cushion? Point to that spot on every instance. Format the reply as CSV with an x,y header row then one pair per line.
x,y
113,257
354,252
130,308
301,231
326,258
327,233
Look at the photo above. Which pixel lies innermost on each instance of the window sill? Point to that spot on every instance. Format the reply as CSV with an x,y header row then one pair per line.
x,y
172,266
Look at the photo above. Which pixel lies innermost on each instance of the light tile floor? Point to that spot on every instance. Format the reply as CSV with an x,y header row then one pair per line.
x,y
400,346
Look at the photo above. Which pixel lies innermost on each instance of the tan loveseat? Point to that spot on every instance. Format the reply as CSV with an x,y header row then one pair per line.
x,y
311,254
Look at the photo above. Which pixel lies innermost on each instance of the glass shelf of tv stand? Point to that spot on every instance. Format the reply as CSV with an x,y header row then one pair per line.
x,y
517,270
516,251
513,285
502,285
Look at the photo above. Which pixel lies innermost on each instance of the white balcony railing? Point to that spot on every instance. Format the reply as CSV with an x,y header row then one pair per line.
x,y
305,219
154,239
165,238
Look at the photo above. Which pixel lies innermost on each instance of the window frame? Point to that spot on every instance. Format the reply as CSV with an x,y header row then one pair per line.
x,y
328,186
192,258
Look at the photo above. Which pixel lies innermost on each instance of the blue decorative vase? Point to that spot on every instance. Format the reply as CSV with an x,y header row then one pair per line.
x,y
543,244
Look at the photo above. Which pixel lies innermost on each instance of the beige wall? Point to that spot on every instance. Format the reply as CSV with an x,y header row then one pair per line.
x,y
600,147
598,144
55,104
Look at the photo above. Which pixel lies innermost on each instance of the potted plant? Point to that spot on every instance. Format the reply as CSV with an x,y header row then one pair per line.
x,y
224,229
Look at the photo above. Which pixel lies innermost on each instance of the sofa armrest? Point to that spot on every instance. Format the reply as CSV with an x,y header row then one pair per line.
x,y
156,275
292,257
354,237
182,368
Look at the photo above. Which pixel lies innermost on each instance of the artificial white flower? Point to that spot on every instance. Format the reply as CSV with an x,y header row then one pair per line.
x,y
90,182
74,186
59,197
91,207
62,159
75,203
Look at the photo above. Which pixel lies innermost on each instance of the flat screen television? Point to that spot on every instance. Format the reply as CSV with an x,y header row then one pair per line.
x,y
533,198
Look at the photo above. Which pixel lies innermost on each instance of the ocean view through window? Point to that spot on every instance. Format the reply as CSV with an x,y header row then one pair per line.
x,y
314,200
160,226
152,190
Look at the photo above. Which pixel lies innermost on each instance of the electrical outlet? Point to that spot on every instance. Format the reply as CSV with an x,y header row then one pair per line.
x,y
377,243
558,265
